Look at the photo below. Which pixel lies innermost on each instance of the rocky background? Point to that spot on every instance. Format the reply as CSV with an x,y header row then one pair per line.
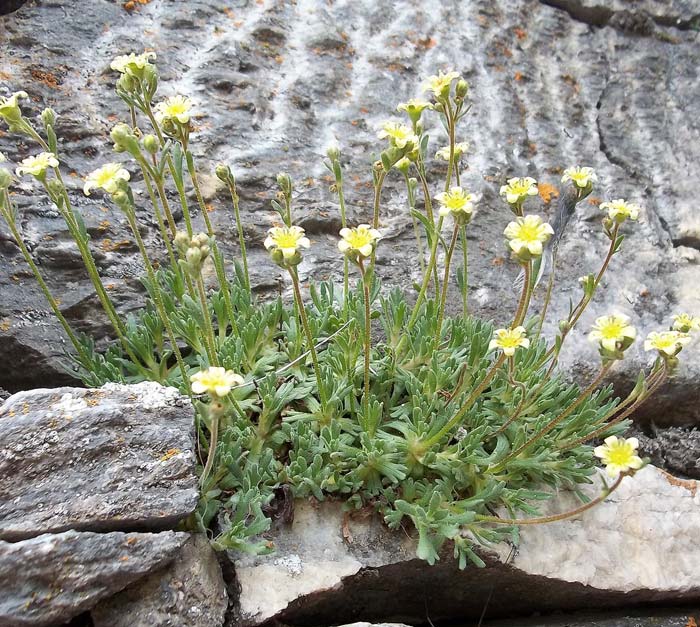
x,y
612,84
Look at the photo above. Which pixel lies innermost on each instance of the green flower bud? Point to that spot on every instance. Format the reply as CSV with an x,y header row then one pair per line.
x,y
285,183
48,117
151,144
333,153
125,140
462,88
223,172
126,84
5,179
10,110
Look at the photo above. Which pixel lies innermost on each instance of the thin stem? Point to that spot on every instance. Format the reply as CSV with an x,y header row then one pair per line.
x,y
309,338
9,218
213,443
466,406
445,284
209,338
426,277
524,297
160,308
555,517
554,422
365,288
451,132
547,299
416,231
465,271
637,403
239,226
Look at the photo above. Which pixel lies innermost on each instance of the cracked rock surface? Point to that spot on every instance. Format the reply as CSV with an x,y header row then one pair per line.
x,y
638,547
114,458
51,578
552,85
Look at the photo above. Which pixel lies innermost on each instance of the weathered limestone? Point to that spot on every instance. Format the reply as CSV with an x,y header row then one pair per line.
x,y
51,578
114,458
638,547
190,591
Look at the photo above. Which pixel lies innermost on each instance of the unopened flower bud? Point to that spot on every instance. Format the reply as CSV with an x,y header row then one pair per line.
x,y
285,183
462,88
124,139
5,179
48,117
223,172
333,153
151,144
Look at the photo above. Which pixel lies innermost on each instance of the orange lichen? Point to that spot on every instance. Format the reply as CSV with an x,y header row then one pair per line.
x,y
547,192
170,453
520,33
47,78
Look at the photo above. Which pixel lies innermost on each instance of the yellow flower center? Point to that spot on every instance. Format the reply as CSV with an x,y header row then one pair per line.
x,y
579,177
664,341
612,329
287,240
520,187
529,232
357,238
620,454
175,108
510,341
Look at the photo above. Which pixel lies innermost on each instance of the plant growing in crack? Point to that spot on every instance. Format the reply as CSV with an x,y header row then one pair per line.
x,y
445,421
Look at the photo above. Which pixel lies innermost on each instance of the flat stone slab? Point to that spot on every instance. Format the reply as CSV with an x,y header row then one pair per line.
x,y
639,547
190,591
51,578
116,458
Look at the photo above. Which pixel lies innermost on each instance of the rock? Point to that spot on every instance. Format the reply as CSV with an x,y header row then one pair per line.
x,y
190,591
553,83
676,449
668,618
51,578
638,547
116,458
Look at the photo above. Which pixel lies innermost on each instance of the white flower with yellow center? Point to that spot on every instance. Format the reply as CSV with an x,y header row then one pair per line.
x,y
620,210
458,202
439,84
287,239
527,235
619,455
613,332
685,323
360,240
460,149
174,108
129,63
518,189
508,340
398,134
580,176
107,178
37,165
414,106
666,342
215,381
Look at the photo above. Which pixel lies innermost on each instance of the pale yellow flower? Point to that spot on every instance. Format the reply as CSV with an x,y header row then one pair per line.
x,y
107,178
215,381
458,202
440,83
519,188
414,106
287,239
508,340
132,63
666,342
174,108
3,158
460,149
527,235
613,332
9,107
619,455
685,323
358,241
37,165
581,177
620,210
398,134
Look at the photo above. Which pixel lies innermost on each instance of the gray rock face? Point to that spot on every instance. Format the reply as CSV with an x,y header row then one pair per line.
x,y
51,578
190,592
637,547
114,458
554,83
676,449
